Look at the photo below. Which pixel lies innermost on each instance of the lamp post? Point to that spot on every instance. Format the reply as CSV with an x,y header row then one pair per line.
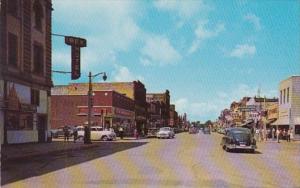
x,y
87,135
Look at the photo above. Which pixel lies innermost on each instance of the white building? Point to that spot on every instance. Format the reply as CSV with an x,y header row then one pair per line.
x,y
289,105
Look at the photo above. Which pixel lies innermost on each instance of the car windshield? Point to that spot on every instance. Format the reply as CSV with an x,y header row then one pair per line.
x,y
241,136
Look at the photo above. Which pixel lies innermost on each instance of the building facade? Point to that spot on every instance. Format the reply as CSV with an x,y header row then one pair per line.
x,y
110,109
134,90
289,105
25,70
164,101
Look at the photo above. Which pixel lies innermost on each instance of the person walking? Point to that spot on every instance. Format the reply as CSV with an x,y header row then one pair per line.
x,y
288,138
66,133
121,132
273,133
277,135
136,134
75,134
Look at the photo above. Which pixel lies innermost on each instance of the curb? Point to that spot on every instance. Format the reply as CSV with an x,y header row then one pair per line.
x,y
4,158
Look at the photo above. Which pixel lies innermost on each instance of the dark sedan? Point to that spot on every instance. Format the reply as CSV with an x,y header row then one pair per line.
x,y
238,139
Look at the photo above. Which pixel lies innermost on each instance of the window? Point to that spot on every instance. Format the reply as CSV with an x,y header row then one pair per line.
x,y
284,96
38,59
38,14
280,96
12,50
12,7
288,95
35,97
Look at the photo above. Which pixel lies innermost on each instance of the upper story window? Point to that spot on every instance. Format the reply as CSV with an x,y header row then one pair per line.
x,y
38,15
35,97
13,7
38,59
12,50
284,96
288,95
280,96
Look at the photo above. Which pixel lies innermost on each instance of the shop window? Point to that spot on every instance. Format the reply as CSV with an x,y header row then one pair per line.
x,y
12,7
12,121
38,15
17,121
38,59
26,121
297,129
12,50
35,97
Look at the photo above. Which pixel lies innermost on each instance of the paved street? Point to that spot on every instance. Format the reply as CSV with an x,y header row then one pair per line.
x,y
187,161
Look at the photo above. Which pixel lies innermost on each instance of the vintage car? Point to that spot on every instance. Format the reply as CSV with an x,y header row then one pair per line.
x,y
165,132
152,132
97,133
238,139
193,130
206,130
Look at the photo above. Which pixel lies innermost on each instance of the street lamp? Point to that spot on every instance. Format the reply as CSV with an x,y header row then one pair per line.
x,y
87,135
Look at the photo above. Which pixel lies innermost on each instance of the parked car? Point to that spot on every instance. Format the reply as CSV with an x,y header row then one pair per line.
x,y
165,132
238,138
152,132
59,132
97,133
206,130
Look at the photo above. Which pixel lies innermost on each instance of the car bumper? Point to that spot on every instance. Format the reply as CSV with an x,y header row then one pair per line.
x,y
232,146
163,136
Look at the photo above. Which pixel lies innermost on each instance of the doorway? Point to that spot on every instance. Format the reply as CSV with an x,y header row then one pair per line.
x,y
41,127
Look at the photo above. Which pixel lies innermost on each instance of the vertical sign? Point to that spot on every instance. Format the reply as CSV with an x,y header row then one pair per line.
x,y
76,43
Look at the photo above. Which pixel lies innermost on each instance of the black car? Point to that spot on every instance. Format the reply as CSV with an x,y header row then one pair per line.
x,y
238,139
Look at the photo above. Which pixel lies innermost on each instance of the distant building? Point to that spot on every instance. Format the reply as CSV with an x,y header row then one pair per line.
x,y
164,100
134,90
289,105
25,70
110,110
173,122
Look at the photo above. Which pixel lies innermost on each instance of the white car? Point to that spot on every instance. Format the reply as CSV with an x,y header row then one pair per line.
x,y
97,133
165,132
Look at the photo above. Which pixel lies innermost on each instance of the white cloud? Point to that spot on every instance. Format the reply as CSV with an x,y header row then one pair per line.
x,y
202,33
254,20
242,50
108,26
158,50
185,9
181,105
123,74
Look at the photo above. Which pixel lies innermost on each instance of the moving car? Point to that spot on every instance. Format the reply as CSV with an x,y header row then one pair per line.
x,y
97,133
206,130
193,130
165,132
59,132
238,139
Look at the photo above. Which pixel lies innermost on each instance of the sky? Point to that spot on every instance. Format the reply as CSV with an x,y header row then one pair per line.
x,y
206,53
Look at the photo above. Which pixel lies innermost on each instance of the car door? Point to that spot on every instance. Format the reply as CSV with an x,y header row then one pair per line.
x,y
94,135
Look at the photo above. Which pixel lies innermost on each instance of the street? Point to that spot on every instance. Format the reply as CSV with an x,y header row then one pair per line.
x,y
189,160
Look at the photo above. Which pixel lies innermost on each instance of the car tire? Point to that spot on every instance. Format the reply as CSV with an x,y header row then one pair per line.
x,y
104,138
227,149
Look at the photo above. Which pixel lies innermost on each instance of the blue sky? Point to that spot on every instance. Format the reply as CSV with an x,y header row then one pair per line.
x,y
206,53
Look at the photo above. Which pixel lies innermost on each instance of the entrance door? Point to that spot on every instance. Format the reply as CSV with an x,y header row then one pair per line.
x,y
41,127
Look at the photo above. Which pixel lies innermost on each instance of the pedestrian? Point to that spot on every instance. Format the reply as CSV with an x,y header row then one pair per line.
x,y
66,133
121,132
75,134
288,138
257,135
292,134
277,135
136,134
273,133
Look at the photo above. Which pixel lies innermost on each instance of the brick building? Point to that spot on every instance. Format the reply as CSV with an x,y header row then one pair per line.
x,y
110,109
25,70
173,122
134,90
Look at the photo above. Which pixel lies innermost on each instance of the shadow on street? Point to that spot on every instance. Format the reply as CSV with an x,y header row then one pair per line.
x,y
18,170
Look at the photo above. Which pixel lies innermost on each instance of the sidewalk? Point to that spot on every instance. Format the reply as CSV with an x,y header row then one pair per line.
x,y
28,150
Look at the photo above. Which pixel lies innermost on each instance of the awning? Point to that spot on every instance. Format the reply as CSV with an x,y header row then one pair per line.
x,y
279,122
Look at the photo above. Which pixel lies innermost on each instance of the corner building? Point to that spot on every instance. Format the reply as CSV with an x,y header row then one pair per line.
x,y
25,70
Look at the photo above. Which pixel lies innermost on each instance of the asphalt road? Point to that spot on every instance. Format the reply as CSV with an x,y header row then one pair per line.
x,y
189,160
